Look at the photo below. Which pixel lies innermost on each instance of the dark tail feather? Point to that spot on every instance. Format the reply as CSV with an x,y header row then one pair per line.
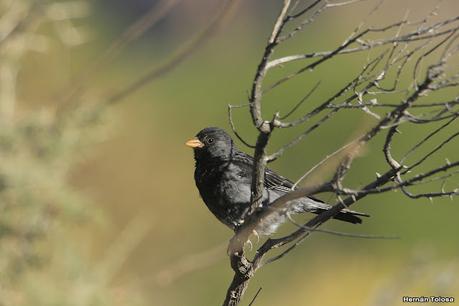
x,y
350,216
347,216
317,206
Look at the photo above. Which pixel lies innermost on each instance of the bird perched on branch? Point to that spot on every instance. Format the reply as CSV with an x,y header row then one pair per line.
x,y
223,175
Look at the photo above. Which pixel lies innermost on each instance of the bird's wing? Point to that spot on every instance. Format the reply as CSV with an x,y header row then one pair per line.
x,y
277,182
280,184
273,181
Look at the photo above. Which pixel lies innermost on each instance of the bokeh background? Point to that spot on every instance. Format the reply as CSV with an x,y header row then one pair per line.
x,y
100,208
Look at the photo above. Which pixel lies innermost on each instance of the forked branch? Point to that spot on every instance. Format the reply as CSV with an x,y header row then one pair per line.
x,y
414,59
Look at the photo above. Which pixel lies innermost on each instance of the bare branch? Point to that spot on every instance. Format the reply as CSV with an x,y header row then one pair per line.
x,y
396,74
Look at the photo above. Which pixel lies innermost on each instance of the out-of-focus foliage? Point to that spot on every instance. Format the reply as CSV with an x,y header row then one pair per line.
x,y
43,260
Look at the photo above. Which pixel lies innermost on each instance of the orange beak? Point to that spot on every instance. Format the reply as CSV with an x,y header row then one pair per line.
x,y
194,143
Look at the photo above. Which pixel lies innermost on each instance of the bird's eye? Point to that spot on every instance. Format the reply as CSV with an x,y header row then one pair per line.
x,y
210,140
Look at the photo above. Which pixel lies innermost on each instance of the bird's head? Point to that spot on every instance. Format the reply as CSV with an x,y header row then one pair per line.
x,y
211,143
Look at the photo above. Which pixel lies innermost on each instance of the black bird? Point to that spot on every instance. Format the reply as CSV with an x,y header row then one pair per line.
x,y
223,175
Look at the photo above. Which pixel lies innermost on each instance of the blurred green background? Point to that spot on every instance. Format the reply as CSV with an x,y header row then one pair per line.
x,y
105,211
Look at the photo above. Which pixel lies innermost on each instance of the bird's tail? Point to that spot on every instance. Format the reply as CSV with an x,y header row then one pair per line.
x,y
316,206
347,215
271,221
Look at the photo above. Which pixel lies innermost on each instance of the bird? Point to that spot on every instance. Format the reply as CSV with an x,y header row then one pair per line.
x,y
223,176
